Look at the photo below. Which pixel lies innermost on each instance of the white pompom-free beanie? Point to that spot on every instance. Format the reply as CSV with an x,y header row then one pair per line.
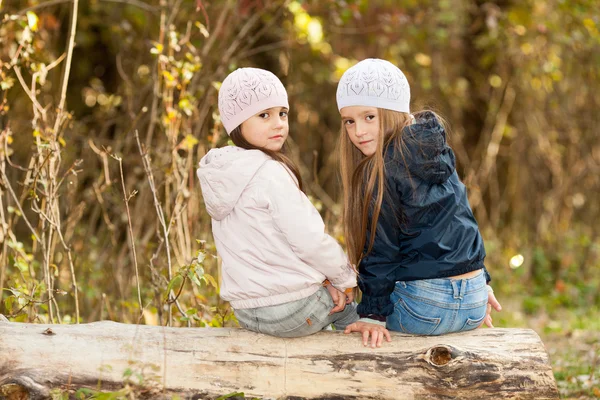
x,y
375,83
247,91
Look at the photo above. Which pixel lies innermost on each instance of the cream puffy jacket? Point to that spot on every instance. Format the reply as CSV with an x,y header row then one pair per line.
x,y
270,237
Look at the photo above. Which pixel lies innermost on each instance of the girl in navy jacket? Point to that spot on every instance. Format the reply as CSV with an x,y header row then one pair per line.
x,y
407,220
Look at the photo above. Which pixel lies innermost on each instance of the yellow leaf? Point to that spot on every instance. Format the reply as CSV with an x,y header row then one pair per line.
x,y
184,104
168,76
36,133
495,81
32,21
341,65
62,142
314,31
211,280
520,30
526,48
423,59
7,83
157,49
170,117
557,75
589,23
189,142
302,19
295,7
203,30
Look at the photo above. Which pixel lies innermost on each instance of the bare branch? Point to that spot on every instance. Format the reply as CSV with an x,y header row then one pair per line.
x,y
65,82
126,199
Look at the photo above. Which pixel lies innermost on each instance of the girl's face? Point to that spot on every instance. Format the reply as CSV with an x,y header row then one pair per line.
x,y
362,127
268,129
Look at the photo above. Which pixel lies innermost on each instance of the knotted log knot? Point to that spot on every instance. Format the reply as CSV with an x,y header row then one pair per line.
x,y
440,355
21,387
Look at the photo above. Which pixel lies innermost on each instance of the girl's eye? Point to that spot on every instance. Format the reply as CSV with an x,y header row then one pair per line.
x,y
283,114
370,117
348,122
264,115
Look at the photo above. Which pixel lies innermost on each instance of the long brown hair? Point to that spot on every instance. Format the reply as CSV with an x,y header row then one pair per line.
x,y
239,140
363,179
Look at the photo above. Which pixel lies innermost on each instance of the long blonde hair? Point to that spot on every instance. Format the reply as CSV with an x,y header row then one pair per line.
x,y
363,179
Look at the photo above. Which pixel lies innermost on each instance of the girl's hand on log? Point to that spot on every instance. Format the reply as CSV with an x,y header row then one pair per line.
x,y
377,333
492,303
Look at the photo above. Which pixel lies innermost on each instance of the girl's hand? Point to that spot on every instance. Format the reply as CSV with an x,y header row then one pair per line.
x,y
339,299
350,296
377,333
492,303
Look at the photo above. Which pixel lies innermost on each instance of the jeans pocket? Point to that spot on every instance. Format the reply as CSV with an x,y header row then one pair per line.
x,y
411,319
473,322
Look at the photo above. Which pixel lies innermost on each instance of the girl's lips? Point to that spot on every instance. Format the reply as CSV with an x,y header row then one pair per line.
x,y
276,137
365,141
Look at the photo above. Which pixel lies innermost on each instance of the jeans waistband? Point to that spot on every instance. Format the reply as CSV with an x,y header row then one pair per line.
x,y
456,287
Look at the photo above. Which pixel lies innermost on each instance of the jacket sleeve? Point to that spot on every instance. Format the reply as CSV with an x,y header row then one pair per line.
x,y
302,225
376,282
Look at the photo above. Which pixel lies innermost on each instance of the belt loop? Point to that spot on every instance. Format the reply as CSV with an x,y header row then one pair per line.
x,y
455,293
463,288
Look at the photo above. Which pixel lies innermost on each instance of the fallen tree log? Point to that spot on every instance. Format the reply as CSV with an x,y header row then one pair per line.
x,y
204,363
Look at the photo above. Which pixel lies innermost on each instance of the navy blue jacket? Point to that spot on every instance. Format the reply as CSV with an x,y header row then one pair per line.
x,y
426,228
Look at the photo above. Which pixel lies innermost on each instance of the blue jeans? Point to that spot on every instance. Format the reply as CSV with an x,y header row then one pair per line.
x,y
438,306
297,318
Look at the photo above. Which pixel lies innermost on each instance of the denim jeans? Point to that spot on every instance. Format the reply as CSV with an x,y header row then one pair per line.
x,y
297,318
438,306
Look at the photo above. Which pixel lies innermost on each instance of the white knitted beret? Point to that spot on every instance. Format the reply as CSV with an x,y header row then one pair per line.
x,y
376,83
247,91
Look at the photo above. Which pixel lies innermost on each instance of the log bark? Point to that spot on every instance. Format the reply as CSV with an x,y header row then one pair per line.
x,y
204,363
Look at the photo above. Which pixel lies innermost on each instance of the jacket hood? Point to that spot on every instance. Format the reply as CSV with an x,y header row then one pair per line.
x,y
224,174
425,149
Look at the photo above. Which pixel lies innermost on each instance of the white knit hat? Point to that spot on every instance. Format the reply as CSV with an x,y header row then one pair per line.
x,y
376,83
247,91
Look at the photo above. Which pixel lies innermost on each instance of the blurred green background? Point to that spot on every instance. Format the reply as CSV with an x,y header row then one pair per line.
x,y
89,208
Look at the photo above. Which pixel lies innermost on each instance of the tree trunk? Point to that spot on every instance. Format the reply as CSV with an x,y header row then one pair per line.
x,y
204,363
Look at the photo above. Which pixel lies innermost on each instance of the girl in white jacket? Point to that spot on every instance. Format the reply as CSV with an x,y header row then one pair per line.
x,y
282,274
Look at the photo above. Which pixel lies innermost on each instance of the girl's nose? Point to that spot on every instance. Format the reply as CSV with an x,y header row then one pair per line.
x,y
279,122
360,132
